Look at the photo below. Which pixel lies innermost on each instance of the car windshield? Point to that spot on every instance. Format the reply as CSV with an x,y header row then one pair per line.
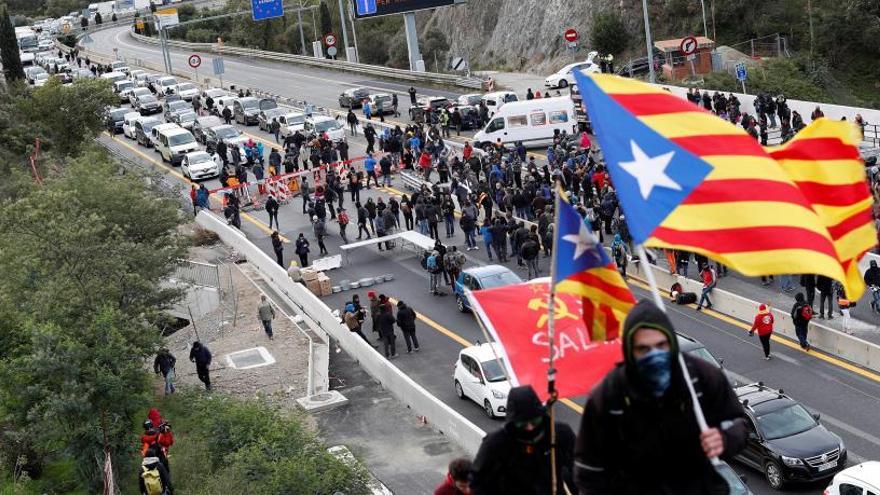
x,y
273,112
148,126
499,279
118,114
168,82
177,105
705,355
201,157
295,119
227,132
249,104
41,76
147,99
125,85
187,117
785,422
473,99
180,139
327,125
494,370
382,99
186,87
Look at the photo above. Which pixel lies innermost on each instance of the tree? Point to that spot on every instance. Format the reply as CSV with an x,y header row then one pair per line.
x,y
326,18
609,35
9,53
435,48
98,19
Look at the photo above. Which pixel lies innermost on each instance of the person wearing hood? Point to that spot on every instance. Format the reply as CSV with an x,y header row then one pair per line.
x,y
872,280
801,314
638,434
154,477
457,481
200,355
763,324
516,458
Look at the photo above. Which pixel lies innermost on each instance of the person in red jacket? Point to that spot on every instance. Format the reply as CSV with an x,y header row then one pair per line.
x,y
457,479
764,326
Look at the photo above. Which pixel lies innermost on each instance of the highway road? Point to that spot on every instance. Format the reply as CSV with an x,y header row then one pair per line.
x,y
847,398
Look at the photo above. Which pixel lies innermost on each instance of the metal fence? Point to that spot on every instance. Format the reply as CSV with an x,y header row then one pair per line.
x,y
198,273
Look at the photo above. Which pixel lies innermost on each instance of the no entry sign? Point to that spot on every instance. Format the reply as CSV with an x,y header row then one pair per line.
x,y
330,39
688,45
195,61
571,35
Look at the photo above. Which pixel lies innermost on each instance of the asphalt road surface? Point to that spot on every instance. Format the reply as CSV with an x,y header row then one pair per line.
x,y
846,397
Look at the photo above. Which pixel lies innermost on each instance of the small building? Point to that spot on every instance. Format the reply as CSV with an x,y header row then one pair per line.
x,y
676,65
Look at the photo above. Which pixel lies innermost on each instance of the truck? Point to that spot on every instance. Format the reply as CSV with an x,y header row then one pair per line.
x,y
104,8
27,39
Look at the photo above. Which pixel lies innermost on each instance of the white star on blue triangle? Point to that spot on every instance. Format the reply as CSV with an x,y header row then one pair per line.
x,y
578,249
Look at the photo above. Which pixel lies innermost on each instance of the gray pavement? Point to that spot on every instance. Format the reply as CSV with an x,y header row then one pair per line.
x,y
847,400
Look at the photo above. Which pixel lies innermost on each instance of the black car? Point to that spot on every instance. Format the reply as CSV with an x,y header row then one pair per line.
x,y
353,98
695,348
148,105
115,119
786,442
470,116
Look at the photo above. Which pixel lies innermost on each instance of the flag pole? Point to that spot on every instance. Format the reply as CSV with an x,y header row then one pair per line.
x,y
551,339
655,292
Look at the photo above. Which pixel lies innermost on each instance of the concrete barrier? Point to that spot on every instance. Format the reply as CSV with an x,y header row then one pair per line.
x,y
441,416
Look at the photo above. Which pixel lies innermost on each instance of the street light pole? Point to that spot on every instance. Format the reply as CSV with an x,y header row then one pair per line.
x,y
354,36
648,44
302,37
344,29
705,25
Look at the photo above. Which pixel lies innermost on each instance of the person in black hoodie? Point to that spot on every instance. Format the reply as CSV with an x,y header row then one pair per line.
x,y
406,320
824,285
516,458
200,355
801,314
638,434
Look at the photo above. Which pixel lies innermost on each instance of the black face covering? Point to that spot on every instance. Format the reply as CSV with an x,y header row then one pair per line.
x,y
532,436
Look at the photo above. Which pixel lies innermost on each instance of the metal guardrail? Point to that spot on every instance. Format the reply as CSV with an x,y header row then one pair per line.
x,y
375,70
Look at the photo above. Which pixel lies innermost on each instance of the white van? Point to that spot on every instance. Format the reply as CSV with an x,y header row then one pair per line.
x,y
113,76
531,122
154,133
175,143
128,122
496,100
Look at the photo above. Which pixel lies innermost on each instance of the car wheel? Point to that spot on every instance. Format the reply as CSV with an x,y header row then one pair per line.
x,y
185,173
459,391
487,408
460,303
563,83
773,474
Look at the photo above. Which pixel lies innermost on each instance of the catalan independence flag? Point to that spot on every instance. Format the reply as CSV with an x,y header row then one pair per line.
x,y
824,162
689,180
582,268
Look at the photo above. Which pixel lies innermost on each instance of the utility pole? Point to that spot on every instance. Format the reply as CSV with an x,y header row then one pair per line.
x,y
810,13
412,41
344,29
705,25
302,37
357,53
648,44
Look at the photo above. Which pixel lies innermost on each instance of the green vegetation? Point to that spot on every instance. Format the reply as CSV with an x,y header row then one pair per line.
x,y
9,56
609,35
225,445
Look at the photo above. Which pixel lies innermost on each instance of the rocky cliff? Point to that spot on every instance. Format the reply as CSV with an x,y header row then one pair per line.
x,y
521,35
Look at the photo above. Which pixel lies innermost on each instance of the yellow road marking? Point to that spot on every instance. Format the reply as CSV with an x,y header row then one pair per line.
x,y
262,226
776,338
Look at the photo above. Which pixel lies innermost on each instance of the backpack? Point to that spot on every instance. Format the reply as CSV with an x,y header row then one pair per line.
x,y
806,312
431,263
343,218
152,481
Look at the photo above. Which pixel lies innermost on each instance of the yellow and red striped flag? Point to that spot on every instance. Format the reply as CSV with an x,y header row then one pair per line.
x,y
824,162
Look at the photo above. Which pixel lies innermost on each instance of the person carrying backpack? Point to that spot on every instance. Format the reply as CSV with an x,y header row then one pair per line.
x,y
710,280
763,324
342,218
801,314
432,265
154,478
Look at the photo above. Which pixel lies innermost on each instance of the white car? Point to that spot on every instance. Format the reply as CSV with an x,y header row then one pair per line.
x,y
40,79
128,122
862,479
291,122
213,93
120,66
165,85
320,124
199,165
187,91
470,100
480,376
564,77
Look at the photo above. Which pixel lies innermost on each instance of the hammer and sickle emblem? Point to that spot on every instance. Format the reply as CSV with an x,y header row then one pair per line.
x,y
560,310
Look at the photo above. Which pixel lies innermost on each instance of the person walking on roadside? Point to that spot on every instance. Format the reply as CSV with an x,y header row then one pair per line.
x,y
406,320
763,324
801,314
352,120
343,220
808,282
320,229
164,363
412,95
266,313
354,322
872,280
201,355
302,250
826,292
278,247
385,324
707,274
272,208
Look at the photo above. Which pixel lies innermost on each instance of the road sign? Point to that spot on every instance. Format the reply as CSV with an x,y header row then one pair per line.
x,y
267,9
689,45
332,51
330,39
219,66
741,72
375,8
572,45
459,63
692,56
139,24
195,61
166,18
571,35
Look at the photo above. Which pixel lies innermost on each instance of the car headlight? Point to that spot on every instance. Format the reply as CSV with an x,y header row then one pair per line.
x,y
498,395
792,461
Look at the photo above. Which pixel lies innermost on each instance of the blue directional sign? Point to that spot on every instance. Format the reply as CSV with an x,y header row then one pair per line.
x,y
741,72
267,9
365,7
